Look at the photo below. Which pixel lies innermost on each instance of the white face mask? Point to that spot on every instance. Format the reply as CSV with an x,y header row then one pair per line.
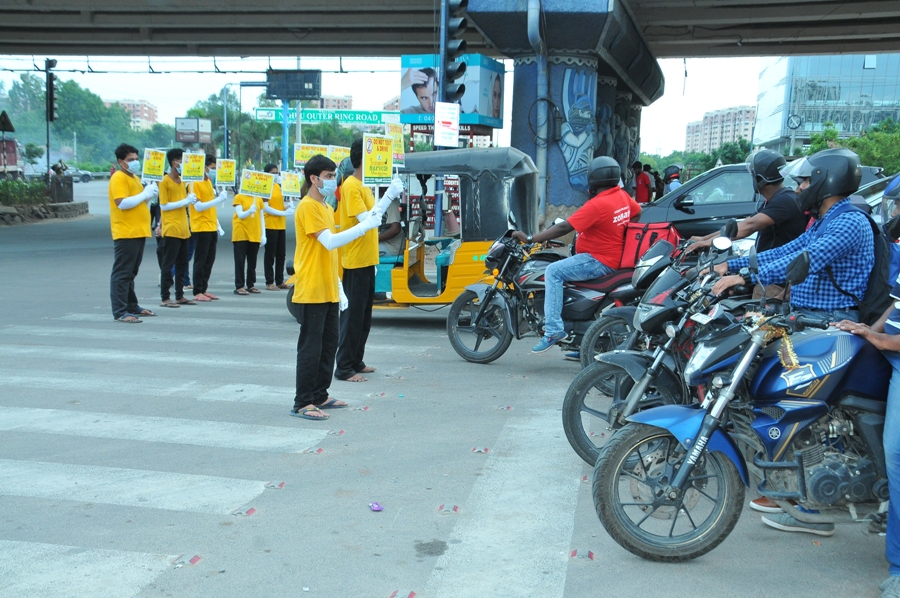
x,y
178,169
278,178
134,166
329,186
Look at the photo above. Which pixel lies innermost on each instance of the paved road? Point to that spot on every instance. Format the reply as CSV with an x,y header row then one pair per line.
x,y
123,447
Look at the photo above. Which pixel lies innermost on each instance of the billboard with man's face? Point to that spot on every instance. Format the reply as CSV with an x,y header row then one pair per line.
x,y
482,103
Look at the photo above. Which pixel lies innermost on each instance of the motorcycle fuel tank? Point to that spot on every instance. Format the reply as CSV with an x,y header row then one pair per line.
x,y
833,364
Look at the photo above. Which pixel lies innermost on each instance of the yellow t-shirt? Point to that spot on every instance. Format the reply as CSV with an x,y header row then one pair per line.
x,y
316,267
356,199
203,222
174,222
127,224
276,202
250,228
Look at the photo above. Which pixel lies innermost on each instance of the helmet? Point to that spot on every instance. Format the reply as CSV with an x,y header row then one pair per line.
x,y
672,172
344,169
890,209
830,172
604,173
764,167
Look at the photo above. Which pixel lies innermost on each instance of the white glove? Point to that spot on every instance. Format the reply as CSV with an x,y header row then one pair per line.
x,y
252,210
222,196
152,189
345,303
262,240
219,228
373,220
395,190
192,198
148,194
290,211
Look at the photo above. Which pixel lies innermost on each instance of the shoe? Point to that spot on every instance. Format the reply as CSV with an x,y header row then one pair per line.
x,y
573,356
282,286
271,287
546,342
764,504
785,522
890,588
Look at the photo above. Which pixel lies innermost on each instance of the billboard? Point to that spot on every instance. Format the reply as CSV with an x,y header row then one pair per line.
x,y
193,130
482,104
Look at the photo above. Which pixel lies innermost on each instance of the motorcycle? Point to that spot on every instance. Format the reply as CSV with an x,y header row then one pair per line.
x,y
483,320
800,409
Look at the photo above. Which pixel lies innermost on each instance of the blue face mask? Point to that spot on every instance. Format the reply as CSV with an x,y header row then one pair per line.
x,y
329,186
178,169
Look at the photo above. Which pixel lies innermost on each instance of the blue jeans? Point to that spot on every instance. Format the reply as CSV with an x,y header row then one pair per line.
x,y
892,461
578,267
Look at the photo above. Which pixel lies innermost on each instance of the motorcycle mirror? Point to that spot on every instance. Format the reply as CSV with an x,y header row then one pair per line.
x,y
798,269
721,243
730,229
511,218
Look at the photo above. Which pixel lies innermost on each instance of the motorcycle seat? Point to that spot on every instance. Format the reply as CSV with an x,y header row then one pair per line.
x,y
605,284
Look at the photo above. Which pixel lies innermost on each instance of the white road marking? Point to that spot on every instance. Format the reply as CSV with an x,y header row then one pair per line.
x,y
96,383
30,569
161,429
126,487
515,529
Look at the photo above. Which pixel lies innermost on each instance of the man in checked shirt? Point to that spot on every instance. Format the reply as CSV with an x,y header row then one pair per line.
x,y
841,239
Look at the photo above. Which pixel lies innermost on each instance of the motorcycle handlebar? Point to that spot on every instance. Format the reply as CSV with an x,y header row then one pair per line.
x,y
821,323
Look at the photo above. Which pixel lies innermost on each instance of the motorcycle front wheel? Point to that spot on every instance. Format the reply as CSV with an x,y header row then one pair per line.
x,y
482,343
631,478
605,334
594,392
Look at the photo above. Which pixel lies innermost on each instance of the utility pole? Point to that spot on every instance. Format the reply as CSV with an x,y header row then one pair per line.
x,y
75,147
50,96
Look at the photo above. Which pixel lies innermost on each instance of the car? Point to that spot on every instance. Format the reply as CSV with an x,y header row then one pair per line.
x,y
79,176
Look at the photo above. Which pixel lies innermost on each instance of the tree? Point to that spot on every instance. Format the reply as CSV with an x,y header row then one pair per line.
x,y
33,153
826,139
27,94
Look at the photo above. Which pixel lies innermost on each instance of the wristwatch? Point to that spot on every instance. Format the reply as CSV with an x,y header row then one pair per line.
x,y
529,239
745,273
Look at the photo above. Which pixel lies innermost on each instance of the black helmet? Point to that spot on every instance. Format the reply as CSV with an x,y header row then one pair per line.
x,y
604,173
672,172
830,172
764,167
344,169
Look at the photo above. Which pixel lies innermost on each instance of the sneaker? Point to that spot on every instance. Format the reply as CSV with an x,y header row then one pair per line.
x,y
785,522
546,342
573,356
890,588
764,504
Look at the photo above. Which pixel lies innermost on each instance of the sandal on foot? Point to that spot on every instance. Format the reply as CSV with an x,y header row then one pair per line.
x,y
304,413
185,301
211,297
169,304
241,291
271,287
254,290
202,298
333,403
129,319
282,286
145,313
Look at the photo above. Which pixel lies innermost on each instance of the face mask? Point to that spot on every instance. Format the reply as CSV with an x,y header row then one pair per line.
x,y
329,186
178,169
212,173
134,166
278,178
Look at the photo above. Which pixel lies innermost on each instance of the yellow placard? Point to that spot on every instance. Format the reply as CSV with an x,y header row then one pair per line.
x,y
257,184
395,132
193,167
378,159
291,184
154,167
337,153
304,151
225,171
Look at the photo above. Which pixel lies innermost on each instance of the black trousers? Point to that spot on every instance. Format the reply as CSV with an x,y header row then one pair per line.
x,y
356,321
174,253
273,259
127,256
204,256
316,348
245,252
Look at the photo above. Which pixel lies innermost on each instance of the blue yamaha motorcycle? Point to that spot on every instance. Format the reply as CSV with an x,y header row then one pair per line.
x,y
800,409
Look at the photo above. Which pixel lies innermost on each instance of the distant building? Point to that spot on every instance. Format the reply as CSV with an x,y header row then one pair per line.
x,y
721,126
798,94
392,104
333,103
143,113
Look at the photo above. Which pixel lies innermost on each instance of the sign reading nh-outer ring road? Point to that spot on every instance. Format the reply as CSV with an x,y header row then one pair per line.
x,y
314,116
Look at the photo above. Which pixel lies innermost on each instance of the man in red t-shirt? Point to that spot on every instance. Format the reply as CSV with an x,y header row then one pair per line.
x,y
641,183
600,223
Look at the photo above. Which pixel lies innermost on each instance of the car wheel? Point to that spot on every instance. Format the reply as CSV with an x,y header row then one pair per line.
x,y
85,178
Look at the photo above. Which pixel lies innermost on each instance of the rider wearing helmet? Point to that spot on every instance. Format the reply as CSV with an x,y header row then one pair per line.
x,y
600,223
780,220
672,177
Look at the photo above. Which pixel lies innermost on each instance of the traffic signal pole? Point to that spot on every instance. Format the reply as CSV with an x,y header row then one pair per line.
x,y
50,101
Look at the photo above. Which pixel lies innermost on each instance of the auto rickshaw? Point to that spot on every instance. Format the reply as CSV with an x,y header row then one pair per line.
x,y
492,183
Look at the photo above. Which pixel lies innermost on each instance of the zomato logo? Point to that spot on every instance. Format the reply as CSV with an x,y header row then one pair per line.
x,y
619,218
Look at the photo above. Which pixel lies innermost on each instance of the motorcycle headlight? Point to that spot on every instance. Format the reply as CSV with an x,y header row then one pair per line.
x,y
695,363
642,267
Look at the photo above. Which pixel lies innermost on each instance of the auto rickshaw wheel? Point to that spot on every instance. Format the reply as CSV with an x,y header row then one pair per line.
x,y
481,344
292,307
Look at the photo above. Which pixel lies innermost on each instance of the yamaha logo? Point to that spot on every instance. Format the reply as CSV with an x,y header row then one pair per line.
x,y
774,433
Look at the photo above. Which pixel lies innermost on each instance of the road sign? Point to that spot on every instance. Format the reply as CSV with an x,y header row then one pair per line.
x,y
446,124
268,146
193,130
313,116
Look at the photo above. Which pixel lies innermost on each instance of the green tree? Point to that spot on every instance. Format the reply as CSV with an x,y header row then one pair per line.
x,y
27,94
879,146
33,153
824,140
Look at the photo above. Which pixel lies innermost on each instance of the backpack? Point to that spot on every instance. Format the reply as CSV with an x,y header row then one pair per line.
x,y
640,237
878,290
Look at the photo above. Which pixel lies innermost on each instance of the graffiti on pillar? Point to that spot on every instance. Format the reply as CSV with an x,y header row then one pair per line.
x,y
578,131
622,144
634,142
605,143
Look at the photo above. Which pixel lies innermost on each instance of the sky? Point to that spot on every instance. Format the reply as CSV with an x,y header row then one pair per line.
x,y
711,84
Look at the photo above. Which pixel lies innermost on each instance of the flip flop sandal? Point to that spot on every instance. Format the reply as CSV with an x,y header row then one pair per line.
x,y
331,403
254,290
241,292
306,410
129,319
211,296
145,313
184,301
169,304
202,298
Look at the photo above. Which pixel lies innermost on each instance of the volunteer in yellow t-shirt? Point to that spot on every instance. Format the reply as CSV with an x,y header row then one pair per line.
x,y
176,231
129,219
317,291
205,227
359,259
246,235
276,216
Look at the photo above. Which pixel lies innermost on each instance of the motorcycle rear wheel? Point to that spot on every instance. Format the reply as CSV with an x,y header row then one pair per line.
x,y
633,470
468,340
605,334
593,392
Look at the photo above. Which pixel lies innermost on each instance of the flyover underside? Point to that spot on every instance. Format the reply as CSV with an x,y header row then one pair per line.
x,y
671,28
